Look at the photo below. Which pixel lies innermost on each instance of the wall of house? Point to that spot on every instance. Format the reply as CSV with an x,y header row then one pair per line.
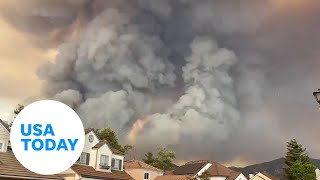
x,y
4,138
218,178
121,157
69,174
104,150
257,178
138,174
87,145
241,177
93,158
317,174
260,176
70,178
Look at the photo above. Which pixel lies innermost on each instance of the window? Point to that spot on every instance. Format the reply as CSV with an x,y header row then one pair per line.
x,y
84,158
104,159
91,138
146,176
116,164
1,146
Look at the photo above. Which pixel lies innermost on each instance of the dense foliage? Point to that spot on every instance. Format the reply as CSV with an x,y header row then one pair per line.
x,y
298,164
163,160
109,135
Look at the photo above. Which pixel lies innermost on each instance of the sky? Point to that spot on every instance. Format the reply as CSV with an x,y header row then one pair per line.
x,y
19,61
222,80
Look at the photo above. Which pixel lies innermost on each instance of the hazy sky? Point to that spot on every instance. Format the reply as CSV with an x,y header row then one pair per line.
x,y
235,78
19,61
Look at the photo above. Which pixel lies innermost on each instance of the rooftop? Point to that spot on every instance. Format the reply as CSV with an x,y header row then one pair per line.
x,y
173,177
90,172
189,169
139,165
10,167
103,142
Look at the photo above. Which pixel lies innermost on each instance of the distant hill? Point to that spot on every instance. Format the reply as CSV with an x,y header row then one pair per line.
x,y
274,167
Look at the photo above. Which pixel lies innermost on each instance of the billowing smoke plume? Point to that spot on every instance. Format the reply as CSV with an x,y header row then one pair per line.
x,y
208,106
197,76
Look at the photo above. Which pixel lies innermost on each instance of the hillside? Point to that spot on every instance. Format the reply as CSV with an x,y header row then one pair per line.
x,y
274,167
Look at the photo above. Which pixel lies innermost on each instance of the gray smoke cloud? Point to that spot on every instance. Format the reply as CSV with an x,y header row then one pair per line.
x,y
208,106
222,80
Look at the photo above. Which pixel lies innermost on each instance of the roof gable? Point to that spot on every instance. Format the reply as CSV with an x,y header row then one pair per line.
x,y
96,138
4,125
134,164
91,130
105,142
234,175
263,176
217,169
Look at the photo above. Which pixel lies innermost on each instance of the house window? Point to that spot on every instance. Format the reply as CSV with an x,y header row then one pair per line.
x,y
1,146
104,159
116,164
84,158
146,176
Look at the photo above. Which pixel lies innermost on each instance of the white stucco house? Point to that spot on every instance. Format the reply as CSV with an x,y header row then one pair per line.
x,y
317,174
97,161
262,176
139,170
4,136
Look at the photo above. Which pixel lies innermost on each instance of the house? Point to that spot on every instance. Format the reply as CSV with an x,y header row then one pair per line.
x,y
4,136
174,177
97,161
210,169
262,176
11,169
139,170
317,174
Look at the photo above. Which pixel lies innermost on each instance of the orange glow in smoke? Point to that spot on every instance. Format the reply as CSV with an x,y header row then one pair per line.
x,y
136,129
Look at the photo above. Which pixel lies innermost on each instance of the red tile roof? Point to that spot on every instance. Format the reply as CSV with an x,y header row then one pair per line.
x,y
90,172
189,168
134,164
233,176
10,167
217,169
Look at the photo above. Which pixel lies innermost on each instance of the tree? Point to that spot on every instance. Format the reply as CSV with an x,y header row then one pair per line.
x,y
298,163
109,135
16,112
149,158
163,160
205,176
18,109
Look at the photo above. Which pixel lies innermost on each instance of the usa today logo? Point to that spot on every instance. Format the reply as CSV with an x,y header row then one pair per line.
x,y
47,137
